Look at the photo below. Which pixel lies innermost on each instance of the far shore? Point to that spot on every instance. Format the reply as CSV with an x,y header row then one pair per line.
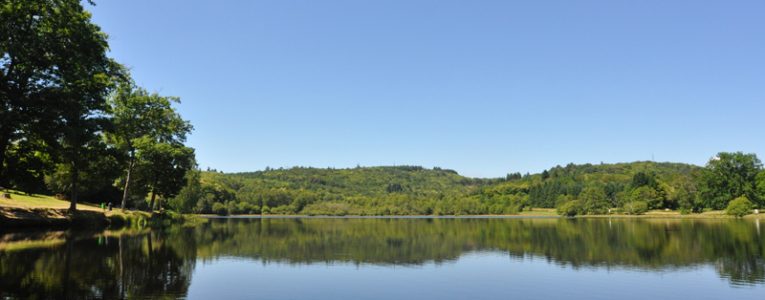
x,y
47,212
535,213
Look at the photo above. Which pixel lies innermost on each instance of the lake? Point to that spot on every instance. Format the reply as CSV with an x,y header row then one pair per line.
x,y
393,258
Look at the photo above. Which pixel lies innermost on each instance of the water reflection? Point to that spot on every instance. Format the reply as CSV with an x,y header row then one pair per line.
x,y
160,263
110,265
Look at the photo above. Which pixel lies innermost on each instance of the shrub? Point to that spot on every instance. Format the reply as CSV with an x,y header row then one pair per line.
x,y
635,207
232,208
512,210
219,209
282,210
330,209
570,209
246,208
739,207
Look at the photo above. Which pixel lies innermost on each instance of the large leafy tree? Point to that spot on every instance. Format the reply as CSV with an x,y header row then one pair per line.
x,y
190,194
97,170
728,176
54,78
164,167
143,122
594,200
27,163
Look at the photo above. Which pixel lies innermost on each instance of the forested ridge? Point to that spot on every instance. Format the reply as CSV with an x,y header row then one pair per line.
x,y
631,188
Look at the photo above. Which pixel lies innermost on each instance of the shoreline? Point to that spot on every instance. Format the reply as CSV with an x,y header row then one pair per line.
x,y
57,218
714,215
13,218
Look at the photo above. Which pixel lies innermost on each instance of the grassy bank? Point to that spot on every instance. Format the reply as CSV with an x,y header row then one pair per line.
x,y
25,210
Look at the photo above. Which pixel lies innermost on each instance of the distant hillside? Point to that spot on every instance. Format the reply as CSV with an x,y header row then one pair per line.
x,y
406,190
550,186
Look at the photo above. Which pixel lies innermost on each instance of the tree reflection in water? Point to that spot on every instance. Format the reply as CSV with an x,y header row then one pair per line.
x,y
159,263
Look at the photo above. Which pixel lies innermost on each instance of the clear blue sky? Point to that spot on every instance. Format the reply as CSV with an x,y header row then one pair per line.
x,y
482,87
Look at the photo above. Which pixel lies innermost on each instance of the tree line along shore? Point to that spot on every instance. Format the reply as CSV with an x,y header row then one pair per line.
x,y
730,183
645,189
75,125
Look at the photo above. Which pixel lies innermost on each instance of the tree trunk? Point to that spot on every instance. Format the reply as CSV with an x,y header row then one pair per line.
x,y
3,148
153,194
127,180
75,187
153,197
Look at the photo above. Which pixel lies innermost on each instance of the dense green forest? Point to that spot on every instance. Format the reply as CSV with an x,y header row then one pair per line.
x,y
631,188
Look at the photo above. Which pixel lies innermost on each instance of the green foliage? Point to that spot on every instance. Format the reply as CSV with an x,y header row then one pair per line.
x,y
328,209
617,180
570,208
403,190
729,176
150,133
219,209
54,76
419,191
95,176
760,182
739,207
687,198
646,194
59,125
163,168
642,178
189,195
594,202
635,207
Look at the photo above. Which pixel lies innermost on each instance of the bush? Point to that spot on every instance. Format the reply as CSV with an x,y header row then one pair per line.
x,y
219,209
570,209
512,210
739,207
232,208
635,207
246,208
330,209
283,210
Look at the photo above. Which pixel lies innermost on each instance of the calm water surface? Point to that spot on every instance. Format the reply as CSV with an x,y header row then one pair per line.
x,y
325,258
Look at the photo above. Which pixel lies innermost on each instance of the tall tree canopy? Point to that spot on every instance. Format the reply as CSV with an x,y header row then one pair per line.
x,y
729,176
54,78
146,126
164,167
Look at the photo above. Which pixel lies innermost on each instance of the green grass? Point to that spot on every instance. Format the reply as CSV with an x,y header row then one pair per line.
x,y
23,206
22,200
